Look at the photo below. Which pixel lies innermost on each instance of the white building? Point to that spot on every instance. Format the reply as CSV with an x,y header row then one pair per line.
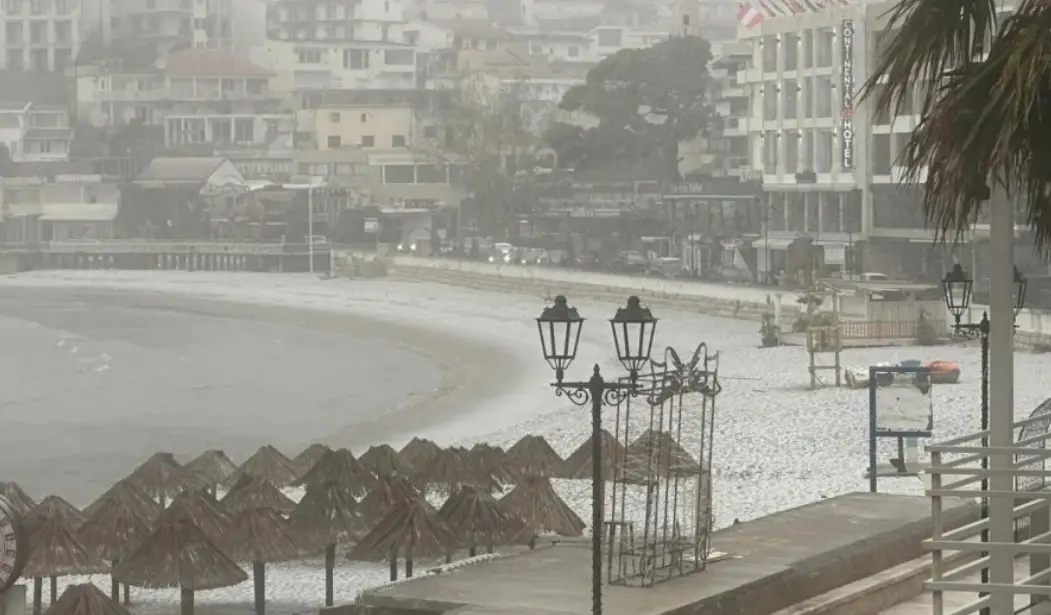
x,y
66,208
35,133
45,35
170,24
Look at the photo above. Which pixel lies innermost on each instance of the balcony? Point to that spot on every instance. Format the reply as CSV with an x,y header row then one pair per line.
x,y
958,556
735,127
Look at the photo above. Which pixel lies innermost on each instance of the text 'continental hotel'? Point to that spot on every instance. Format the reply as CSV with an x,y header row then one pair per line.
x,y
828,163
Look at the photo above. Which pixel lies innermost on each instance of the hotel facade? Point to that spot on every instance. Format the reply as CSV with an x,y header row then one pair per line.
x,y
828,162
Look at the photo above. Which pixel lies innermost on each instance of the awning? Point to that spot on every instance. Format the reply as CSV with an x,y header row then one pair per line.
x,y
79,212
772,243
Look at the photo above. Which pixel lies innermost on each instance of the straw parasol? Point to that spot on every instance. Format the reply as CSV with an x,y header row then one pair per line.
x,y
578,464
212,467
53,506
535,502
310,456
381,459
268,463
476,517
387,493
417,453
494,461
412,529
125,490
19,499
327,515
655,454
162,478
252,492
533,456
262,535
55,551
118,526
85,599
179,554
199,506
341,468
452,469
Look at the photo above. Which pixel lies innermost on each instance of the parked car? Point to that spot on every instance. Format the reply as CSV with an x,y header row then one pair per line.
x,y
667,267
630,261
531,256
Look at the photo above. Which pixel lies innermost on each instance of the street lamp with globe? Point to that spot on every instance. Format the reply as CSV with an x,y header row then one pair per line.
x,y
560,327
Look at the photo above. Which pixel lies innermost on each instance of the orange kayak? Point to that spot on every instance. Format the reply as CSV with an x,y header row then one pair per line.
x,y
943,372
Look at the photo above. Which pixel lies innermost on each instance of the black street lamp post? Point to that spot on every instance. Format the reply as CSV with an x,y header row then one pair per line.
x,y
957,287
633,327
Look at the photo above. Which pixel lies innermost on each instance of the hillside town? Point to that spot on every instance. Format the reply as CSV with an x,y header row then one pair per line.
x,y
453,126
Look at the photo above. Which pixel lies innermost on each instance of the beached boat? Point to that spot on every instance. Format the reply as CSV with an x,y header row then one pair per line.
x,y
943,372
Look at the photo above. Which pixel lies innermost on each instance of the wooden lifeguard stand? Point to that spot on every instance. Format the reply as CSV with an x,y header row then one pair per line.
x,y
824,334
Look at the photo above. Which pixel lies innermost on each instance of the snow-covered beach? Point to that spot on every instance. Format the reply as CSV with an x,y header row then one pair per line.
x,y
777,444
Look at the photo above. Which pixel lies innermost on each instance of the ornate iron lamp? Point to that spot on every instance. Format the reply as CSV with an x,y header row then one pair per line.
x,y
633,327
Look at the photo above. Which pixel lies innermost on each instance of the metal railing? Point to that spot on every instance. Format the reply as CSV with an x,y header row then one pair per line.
x,y
955,474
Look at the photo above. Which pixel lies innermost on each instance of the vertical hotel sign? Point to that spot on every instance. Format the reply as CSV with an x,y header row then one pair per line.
x,y
846,129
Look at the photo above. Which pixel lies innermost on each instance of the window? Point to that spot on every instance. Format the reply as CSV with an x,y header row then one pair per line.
x,y
38,32
397,141
334,141
808,49
823,97
399,174
770,152
13,31
333,117
609,38
13,7
308,56
368,141
823,151
63,32
824,44
790,50
431,174
769,53
399,57
356,59
881,154
791,151
364,118
769,102
244,130
344,169
430,132
790,92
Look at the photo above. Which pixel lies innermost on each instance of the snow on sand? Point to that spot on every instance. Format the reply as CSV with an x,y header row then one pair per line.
x,y
777,444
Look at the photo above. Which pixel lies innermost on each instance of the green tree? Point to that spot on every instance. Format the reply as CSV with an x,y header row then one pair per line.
x,y
645,101
984,122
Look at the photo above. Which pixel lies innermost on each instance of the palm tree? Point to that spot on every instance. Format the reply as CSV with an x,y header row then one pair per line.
x,y
982,121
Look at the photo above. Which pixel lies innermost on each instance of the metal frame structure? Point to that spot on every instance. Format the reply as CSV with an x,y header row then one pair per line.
x,y
956,473
673,536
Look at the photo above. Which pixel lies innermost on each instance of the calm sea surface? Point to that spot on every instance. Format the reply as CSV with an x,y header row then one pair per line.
x,y
94,382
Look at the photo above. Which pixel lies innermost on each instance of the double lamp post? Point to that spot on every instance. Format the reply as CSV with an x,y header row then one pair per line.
x,y
560,326
958,287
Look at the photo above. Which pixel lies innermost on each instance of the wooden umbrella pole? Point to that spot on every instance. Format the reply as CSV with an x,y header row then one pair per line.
x,y
408,562
330,566
38,594
54,589
127,595
259,574
186,600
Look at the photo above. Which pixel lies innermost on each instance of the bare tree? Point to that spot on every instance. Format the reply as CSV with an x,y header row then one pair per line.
x,y
492,131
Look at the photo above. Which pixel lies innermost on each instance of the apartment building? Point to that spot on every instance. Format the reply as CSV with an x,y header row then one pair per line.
x,y
45,35
35,133
366,126
165,25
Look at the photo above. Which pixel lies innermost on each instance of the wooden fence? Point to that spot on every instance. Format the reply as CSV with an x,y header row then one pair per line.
x,y
884,329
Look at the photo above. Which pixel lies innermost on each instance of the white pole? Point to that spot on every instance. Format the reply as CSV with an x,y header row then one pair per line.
x,y
1001,397
310,224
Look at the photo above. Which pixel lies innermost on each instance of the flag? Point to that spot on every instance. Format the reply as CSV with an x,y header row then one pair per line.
x,y
748,16
795,6
814,6
768,8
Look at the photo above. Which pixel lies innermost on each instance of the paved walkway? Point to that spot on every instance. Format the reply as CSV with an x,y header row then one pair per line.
x,y
921,605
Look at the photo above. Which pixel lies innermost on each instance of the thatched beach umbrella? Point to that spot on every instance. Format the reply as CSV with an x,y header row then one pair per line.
x,y
452,469
341,468
268,463
213,467
578,464
655,454
381,459
533,456
251,492
129,492
201,508
535,502
477,518
310,456
385,494
413,530
118,526
163,478
259,536
179,554
55,551
495,461
327,516
416,454
19,499
53,506
85,599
